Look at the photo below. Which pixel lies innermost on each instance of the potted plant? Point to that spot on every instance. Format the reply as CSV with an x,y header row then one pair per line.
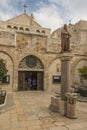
x,y
3,70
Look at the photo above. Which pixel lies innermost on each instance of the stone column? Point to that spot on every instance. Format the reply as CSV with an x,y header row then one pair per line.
x,y
57,104
65,74
65,81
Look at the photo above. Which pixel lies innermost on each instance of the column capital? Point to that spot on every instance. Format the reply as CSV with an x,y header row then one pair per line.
x,y
65,56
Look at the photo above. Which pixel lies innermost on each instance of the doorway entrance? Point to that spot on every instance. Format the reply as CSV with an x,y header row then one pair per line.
x,y
30,80
30,73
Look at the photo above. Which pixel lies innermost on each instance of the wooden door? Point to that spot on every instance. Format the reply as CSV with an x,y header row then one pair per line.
x,y
20,80
39,80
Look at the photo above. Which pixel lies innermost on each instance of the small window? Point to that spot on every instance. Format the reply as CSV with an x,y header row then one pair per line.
x,y
43,31
15,27
26,29
21,28
38,31
8,26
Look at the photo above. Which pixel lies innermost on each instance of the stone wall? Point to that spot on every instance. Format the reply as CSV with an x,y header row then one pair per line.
x,y
54,70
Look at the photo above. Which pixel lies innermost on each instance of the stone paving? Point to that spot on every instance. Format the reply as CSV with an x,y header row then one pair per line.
x,y
30,112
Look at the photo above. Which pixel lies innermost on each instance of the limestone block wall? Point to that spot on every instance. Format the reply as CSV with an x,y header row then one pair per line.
x,y
34,42
82,25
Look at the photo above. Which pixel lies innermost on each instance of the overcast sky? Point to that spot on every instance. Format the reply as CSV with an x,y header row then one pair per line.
x,y
48,13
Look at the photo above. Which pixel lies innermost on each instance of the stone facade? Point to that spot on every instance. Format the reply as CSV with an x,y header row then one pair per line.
x,y
22,36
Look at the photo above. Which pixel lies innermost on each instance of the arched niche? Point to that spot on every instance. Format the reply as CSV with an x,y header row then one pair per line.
x,y
54,72
76,76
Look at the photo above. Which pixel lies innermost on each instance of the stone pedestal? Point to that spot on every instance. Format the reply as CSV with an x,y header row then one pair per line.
x,y
71,105
62,107
66,105
58,105
65,73
54,106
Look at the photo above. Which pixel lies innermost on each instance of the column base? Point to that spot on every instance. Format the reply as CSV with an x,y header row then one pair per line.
x,y
62,107
71,105
71,111
54,106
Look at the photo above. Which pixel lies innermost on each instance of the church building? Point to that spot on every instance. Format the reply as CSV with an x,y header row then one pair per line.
x,y
31,51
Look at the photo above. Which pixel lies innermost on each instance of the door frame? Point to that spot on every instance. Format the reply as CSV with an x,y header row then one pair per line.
x,y
23,84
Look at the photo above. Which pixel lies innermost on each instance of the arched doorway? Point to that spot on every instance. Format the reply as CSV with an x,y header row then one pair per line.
x,y
30,74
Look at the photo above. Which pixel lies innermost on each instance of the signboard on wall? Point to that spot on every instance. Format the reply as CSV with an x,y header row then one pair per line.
x,y
56,79
6,79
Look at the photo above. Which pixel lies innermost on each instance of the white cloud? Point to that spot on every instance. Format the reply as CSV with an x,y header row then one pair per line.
x,y
77,9
48,16
8,8
59,12
52,15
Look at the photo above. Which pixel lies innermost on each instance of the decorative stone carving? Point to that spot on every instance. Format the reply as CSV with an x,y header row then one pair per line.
x,y
31,61
29,65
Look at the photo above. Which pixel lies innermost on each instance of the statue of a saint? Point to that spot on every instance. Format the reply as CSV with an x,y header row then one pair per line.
x,y
65,39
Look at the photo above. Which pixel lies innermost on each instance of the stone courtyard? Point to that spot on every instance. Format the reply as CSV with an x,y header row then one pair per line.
x,y
31,112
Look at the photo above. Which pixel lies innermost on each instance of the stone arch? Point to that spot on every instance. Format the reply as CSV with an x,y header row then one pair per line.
x,y
15,27
23,61
53,60
40,57
27,29
75,74
9,26
76,62
21,28
54,70
30,67
10,67
43,31
38,31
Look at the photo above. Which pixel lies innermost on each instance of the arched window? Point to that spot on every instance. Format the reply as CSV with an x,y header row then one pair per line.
x,y
31,61
15,27
9,26
38,31
26,29
43,31
21,28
